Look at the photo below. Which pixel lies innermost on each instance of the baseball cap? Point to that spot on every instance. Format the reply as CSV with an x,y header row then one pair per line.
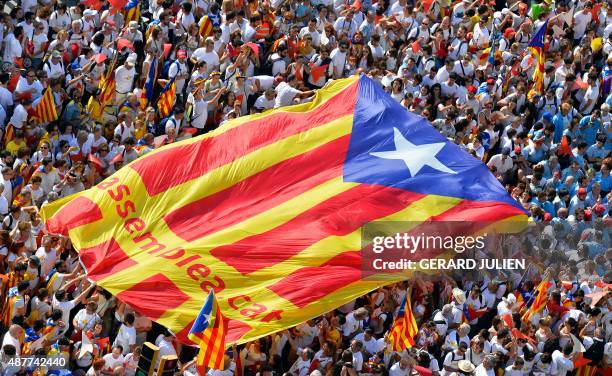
x,y
582,191
506,151
131,60
181,54
490,81
56,53
90,12
133,25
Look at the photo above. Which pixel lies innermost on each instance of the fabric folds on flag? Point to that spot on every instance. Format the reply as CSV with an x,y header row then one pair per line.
x,y
539,300
404,329
208,331
44,110
536,46
166,99
146,95
131,11
205,27
268,210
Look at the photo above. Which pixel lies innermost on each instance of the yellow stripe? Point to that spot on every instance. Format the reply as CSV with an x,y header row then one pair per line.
x,y
331,246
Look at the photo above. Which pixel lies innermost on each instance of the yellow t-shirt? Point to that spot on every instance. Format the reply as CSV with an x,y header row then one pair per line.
x,y
12,147
95,109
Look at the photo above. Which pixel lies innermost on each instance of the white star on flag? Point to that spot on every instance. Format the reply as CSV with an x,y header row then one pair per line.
x,y
415,156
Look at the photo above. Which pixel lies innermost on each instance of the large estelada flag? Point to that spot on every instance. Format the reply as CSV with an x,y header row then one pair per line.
x,y
268,210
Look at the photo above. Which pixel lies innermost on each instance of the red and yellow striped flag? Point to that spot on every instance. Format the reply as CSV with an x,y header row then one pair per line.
x,y
404,329
131,11
586,371
166,99
268,211
208,331
206,27
536,46
44,110
540,300
107,87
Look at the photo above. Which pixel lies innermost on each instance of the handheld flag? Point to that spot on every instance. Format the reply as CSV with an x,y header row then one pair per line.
x,y
147,93
107,85
166,99
301,181
205,27
536,46
131,11
208,331
404,329
539,300
44,110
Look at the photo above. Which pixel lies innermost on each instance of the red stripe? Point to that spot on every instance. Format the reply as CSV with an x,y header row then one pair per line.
x,y
154,296
312,283
338,215
315,282
259,192
78,212
187,162
105,259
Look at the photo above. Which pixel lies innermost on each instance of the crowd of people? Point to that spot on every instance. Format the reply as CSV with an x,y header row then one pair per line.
x,y
465,66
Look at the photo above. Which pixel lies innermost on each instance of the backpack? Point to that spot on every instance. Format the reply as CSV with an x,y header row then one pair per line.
x,y
160,127
166,68
266,69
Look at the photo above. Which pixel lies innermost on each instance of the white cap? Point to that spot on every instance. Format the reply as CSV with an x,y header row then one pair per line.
x,y
90,12
131,59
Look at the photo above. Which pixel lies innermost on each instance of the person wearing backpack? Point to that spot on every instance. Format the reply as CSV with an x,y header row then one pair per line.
x,y
179,71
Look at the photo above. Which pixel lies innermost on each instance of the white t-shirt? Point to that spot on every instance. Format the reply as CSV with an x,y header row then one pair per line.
x,y
396,370
20,116
501,166
561,364
10,340
592,93
86,321
211,58
263,103
110,363
123,79
199,113
338,61
581,21
65,306
47,259
285,94
126,337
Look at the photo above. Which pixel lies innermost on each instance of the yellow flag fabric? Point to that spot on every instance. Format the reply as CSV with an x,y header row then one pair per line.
x,y
260,210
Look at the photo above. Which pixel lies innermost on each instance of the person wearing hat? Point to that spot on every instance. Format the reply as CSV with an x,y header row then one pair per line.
x,y
132,33
207,54
88,23
578,201
197,107
465,367
180,73
452,359
506,40
124,79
